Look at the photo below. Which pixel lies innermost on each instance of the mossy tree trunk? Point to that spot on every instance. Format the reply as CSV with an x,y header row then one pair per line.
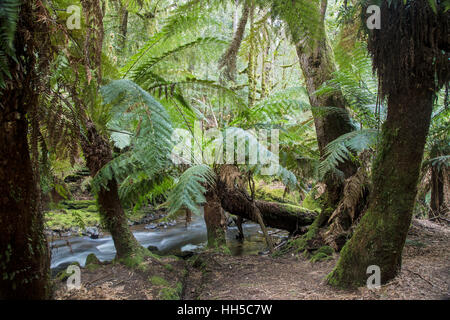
x,y
317,63
215,221
98,153
381,233
24,254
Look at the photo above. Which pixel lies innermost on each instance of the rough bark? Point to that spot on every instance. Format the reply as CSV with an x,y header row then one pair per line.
x,y
317,63
24,259
381,233
439,182
24,256
98,153
215,221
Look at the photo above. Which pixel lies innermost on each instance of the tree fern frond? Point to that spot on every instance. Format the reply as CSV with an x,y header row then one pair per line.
x,y
190,188
341,149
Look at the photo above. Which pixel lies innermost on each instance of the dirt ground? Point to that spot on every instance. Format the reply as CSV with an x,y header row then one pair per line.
x,y
425,275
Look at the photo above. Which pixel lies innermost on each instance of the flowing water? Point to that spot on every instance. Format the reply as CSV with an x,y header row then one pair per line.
x,y
190,238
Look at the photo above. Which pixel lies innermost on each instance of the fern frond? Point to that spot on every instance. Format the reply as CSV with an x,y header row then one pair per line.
x,y
341,149
190,188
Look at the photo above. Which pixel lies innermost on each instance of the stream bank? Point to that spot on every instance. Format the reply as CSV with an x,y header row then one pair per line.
x,y
210,275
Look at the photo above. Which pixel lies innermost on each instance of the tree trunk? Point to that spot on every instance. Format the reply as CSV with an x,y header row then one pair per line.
x,y
380,236
98,153
24,259
24,254
317,63
215,221
437,202
123,14
275,215
228,59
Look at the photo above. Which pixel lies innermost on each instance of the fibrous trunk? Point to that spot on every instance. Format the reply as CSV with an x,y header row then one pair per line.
x,y
24,254
24,259
215,221
98,153
229,58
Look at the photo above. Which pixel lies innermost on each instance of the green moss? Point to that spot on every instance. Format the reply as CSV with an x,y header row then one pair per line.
x,y
326,250
136,260
92,208
268,193
63,275
158,281
92,267
300,243
310,203
323,253
69,218
92,259
320,256
171,293
168,267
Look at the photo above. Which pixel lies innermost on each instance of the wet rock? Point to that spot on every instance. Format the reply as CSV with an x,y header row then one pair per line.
x,y
91,232
151,226
171,223
153,249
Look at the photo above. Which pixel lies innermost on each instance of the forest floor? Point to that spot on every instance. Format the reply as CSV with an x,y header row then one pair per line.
x,y
209,275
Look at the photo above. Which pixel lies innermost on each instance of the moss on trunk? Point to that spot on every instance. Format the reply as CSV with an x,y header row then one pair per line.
x,y
316,59
215,221
98,153
381,233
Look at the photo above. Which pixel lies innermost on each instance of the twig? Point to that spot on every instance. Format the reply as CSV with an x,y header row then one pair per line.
x,y
419,275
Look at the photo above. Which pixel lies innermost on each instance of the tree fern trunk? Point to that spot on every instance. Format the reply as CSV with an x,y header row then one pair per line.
x,y
437,201
24,256
381,233
24,259
98,153
215,221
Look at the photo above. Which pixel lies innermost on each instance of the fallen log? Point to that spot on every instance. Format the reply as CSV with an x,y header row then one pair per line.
x,y
276,215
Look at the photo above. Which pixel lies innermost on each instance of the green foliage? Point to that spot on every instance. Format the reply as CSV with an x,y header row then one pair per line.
x,y
9,15
135,110
158,281
344,148
190,189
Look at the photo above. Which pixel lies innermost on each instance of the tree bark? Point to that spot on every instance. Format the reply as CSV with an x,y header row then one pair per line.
x,y
24,259
228,59
317,63
275,215
438,203
380,236
215,221
24,254
123,14
98,153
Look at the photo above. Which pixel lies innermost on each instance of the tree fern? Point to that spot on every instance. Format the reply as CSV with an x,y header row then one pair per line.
x,y
135,110
344,147
190,188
